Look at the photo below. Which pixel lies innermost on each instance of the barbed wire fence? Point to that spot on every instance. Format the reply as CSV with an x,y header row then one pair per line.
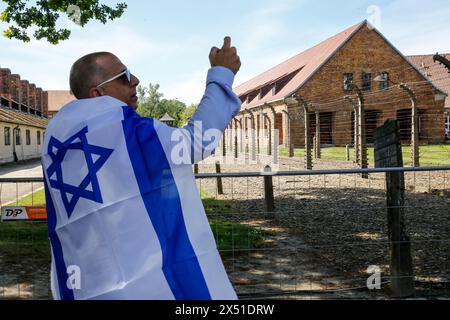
x,y
290,233
322,235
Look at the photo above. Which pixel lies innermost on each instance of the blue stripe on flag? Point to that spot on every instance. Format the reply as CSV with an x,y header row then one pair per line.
x,y
159,192
61,271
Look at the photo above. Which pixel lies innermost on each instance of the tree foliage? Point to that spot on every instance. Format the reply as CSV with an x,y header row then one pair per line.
x,y
43,15
153,105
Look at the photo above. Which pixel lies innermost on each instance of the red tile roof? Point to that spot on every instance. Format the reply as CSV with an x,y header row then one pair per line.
x,y
433,71
299,68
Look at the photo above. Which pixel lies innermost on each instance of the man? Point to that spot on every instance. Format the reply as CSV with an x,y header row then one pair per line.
x,y
124,215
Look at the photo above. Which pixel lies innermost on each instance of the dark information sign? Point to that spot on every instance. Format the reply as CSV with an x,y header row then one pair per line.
x,y
388,147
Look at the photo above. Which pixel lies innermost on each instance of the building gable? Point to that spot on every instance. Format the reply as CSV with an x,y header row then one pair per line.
x,y
304,64
298,71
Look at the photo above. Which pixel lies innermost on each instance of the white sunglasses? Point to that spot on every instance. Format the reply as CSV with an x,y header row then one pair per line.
x,y
124,72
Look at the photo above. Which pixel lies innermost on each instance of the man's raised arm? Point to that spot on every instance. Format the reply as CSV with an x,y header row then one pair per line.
x,y
219,104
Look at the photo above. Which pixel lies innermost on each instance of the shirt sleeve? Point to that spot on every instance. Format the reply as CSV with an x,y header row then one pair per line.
x,y
205,128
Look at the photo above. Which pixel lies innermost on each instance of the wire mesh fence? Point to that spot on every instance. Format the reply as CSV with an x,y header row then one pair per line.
x,y
328,230
24,246
324,236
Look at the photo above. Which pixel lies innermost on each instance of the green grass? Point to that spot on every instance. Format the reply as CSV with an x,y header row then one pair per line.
x,y
230,235
28,239
430,155
23,239
234,236
214,206
284,152
37,199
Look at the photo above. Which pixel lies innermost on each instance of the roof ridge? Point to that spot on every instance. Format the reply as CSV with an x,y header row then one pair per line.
x,y
353,28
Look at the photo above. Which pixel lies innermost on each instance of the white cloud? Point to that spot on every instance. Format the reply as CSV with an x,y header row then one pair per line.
x,y
188,88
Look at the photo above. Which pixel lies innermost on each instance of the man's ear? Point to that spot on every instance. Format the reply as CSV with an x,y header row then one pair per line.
x,y
95,92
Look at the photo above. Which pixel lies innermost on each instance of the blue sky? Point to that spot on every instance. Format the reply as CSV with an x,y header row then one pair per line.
x,y
168,42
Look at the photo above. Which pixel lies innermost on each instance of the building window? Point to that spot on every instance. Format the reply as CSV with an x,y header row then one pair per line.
x,y
348,79
17,136
7,136
38,137
366,79
384,83
27,137
447,127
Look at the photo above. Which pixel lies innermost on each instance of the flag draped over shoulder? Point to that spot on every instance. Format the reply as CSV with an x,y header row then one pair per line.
x,y
123,210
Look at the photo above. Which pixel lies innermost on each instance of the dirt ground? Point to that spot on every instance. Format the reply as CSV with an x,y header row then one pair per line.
x,y
327,231
323,235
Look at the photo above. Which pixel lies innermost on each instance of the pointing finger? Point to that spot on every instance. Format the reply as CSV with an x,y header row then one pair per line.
x,y
226,42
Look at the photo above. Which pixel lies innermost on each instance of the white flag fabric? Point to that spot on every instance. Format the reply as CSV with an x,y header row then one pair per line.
x,y
124,214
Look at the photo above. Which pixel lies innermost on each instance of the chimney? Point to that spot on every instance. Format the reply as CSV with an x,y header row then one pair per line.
x,y
32,98
5,87
39,101
25,95
15,91
45,104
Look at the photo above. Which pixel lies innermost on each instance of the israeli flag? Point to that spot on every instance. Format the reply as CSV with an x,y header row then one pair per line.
x,y
125,217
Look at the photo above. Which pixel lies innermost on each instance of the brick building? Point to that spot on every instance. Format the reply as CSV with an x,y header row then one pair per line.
x,y
23,110
320,79
439,75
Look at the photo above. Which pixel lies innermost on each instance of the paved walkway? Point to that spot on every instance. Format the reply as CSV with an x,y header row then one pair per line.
x,y
10,192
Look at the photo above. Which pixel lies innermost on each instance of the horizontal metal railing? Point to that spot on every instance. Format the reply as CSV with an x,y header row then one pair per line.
x,y
277,173
298,213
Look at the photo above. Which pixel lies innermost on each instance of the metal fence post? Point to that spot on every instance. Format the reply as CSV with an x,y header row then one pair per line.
x,y
388,153
235,146
268,190
219,179
402,277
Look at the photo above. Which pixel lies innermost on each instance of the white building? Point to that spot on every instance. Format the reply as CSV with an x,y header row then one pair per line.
x,y
22,136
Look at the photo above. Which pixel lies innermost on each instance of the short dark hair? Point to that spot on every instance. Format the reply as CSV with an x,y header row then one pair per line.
x,y
85,73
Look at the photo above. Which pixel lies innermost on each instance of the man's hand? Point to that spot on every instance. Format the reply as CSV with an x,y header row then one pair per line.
x,y
225,57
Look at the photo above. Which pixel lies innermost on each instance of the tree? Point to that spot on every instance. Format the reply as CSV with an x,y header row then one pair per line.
x,y
151,105
187,114
149,99
44,15
173,108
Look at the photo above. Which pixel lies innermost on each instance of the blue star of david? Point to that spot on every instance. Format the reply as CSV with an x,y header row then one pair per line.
x,y
58,150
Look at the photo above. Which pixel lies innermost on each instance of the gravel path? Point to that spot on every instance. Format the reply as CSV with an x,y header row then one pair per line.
x,y
330,229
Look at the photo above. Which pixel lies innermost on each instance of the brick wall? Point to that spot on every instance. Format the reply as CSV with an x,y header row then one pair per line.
x,y
21,95
368,52
32,99
45,104
5,80
16,88
25,92
39,100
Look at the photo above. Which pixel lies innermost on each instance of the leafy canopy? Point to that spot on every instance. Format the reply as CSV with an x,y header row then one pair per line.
x,y
152,105
42,16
